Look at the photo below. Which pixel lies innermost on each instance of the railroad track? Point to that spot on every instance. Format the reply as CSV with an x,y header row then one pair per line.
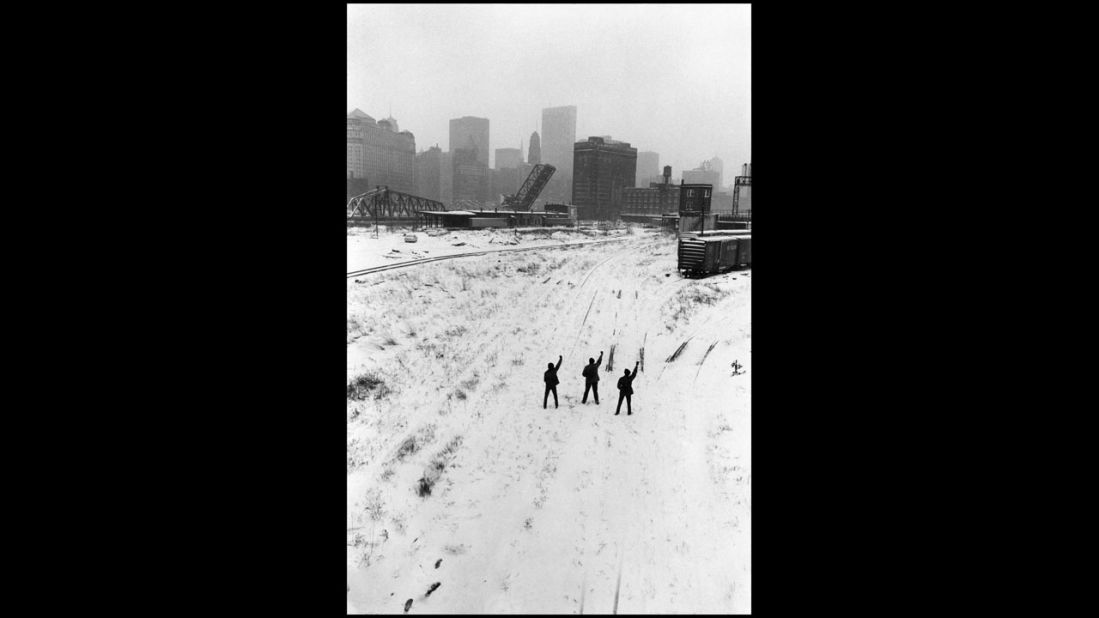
x,y
376,269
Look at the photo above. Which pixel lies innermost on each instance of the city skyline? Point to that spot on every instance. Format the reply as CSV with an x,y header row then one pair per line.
x,y
673,79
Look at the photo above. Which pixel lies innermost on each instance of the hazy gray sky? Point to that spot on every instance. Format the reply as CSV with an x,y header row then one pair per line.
x,y
671,78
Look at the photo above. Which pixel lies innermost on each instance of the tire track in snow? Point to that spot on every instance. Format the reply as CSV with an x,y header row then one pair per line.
x,y
583,322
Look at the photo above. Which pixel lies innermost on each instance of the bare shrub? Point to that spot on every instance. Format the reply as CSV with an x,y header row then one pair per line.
x,y
687,301
366,385
354,329
452,446
531,268
424,485
408,447
375,507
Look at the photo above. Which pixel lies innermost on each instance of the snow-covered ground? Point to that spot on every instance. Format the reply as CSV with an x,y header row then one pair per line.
x,y
365,251
540,511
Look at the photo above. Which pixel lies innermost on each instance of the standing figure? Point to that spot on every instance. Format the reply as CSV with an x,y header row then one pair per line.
x,y
625,389
550,377
591,378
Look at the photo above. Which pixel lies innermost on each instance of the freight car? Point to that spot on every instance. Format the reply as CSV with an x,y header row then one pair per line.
x,y
711,253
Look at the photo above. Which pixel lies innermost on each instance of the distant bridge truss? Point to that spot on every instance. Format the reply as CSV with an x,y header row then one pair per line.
x,y
532,187
385,203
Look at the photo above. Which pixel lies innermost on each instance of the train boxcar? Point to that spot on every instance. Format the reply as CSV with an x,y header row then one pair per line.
x,y
704,254
744,251
716,233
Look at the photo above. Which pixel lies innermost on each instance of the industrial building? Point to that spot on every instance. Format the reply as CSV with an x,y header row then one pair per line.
x,y
653,201
694,208
603,169
695,198
494,218
742,192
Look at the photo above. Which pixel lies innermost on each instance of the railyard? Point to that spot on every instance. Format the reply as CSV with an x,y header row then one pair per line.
x,y
456,474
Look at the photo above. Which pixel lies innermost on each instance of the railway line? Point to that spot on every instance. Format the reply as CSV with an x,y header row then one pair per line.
x,y
384,267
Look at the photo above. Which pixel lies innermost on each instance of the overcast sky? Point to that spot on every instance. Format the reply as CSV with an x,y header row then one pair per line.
x,y
670,78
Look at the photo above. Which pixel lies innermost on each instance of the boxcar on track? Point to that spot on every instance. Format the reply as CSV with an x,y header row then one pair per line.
x,y
709,253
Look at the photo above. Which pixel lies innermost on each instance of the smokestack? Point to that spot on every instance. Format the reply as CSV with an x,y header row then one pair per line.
x,y
667,173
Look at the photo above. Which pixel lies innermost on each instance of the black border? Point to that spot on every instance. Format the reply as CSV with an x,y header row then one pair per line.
x,y
248,316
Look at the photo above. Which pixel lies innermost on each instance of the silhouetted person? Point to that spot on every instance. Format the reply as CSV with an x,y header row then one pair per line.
x,y
551,380
625,389
591,378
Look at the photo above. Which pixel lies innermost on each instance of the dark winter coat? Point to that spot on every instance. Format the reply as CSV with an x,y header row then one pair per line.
x,y
625,383
591,371
550,377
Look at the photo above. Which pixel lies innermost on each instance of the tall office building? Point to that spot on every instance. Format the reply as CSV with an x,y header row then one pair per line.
x,y
507,158
378,152
470,132
429,173
446,179
648,166
505,177
703,174
471,176
717,165
505,181
558,139
535,155
603,170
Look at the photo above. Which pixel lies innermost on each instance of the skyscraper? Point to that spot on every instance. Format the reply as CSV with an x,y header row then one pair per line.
x,y
558,139
377,152
467,132
429,173
648,167
471,176
535,155
717,165
703,174
604,169
508,158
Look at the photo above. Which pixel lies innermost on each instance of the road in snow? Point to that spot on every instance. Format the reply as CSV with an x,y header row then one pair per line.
x,y
533,510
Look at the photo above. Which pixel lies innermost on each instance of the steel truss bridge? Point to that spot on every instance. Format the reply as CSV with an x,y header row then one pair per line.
x,y
383,203
532,186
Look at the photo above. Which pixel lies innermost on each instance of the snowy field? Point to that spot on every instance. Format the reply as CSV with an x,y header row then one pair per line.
x,y
365,251
457,476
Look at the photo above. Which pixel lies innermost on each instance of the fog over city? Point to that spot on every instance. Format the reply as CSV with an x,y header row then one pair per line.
x,y
669,78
